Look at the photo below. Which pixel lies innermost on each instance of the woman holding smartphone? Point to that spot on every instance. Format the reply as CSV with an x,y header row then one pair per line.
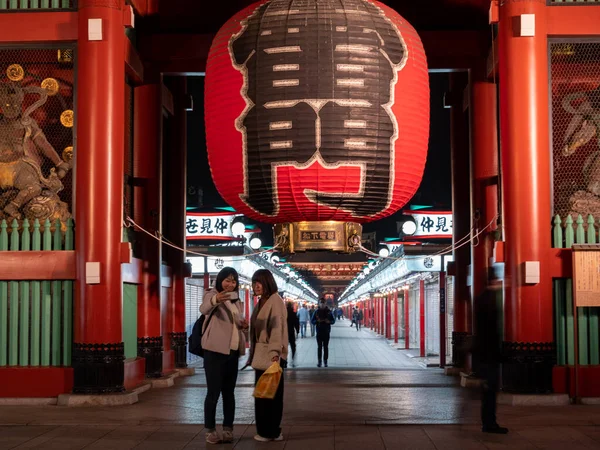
x,y
269,344
223,341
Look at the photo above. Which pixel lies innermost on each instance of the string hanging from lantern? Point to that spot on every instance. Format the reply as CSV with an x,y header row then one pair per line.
x,y
467,239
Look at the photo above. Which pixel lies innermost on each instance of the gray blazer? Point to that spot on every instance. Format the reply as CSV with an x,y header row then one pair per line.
x,y
269,333
216,337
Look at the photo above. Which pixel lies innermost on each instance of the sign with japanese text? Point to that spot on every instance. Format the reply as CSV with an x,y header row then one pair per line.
x,y
209,226
586,275
433,224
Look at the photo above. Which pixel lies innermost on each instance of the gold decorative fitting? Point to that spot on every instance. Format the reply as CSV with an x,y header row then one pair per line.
x,y
343,237
66,118
51,86
65,55
15,72
67,154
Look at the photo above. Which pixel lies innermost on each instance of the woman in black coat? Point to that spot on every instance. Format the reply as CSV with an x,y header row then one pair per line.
x,y
293,328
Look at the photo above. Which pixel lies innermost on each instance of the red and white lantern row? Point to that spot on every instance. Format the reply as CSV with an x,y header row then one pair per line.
x,y
317,110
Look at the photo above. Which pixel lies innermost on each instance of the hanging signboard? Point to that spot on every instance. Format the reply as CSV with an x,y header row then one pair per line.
x,y
436,224
586,275
213,226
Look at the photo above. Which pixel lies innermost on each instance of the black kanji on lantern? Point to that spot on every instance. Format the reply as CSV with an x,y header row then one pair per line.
x,y
319,80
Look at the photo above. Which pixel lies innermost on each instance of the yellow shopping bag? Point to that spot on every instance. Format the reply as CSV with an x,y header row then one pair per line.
x,y
267,384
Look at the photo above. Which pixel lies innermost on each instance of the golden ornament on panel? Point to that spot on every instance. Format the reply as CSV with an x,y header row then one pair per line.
x,y
66,118
51,86
15,72
65,55
67,154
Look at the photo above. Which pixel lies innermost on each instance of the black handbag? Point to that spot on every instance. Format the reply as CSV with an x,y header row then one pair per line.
x,y
195,339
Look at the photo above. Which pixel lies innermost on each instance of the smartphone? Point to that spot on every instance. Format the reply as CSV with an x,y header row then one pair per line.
x,y
233,295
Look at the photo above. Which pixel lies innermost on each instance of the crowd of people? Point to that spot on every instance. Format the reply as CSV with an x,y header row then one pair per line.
x,y
273,327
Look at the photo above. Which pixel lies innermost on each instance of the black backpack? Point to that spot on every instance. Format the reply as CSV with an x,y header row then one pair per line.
x,y
195,339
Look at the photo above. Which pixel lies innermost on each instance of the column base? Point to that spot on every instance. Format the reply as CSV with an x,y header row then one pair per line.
x,y
460,341
527,367
179,346
151,349
98,368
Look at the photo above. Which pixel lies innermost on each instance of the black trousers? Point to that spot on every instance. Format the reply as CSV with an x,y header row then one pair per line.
x,y
490,373
292,341
268,413
322,346
221,375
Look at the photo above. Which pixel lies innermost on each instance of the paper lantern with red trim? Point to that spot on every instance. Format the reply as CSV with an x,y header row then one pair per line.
x,y
317,110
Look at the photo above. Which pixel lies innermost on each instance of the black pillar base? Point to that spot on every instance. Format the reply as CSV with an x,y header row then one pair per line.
x,y
98,368
179,345
527,367
151,349
460,340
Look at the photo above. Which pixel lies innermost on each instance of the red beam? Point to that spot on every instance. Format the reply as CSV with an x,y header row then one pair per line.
x,y
573,21
38,27
38,265
133,64
187,53
561,262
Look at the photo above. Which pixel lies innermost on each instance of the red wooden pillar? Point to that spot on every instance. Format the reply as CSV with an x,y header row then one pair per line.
x,y
461,215
147,213
406,319
174,201
388,316
98,351
380,310
396,317
422,316
528,327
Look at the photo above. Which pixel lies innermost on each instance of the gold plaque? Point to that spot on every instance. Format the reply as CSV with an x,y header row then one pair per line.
x,y
67,154
344,237
15,72
51,86
66,118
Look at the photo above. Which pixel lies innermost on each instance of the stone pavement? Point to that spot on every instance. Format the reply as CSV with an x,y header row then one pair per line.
x,y
349,407
349,348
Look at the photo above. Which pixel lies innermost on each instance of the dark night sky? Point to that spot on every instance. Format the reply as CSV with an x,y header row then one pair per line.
x,y
435,188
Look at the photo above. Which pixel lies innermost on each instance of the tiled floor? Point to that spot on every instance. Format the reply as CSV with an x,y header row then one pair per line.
x,y
347,406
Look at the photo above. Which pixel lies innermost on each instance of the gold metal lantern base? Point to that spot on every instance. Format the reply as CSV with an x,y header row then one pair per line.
x,y
343,237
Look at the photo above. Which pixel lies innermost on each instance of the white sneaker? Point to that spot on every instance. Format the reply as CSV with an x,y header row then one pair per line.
x,y
279,438
259,438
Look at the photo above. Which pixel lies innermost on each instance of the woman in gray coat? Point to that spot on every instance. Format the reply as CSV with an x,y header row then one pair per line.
x,y
268,344
223,341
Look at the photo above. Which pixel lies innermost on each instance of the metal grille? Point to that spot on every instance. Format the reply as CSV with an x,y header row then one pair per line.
x,y
449,315
432,319
35,5
414,326
36,133
575,84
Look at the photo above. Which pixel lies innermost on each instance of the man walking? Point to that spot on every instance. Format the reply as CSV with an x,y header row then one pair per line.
x,y
304,318
323,319
488,350
311,314
359,318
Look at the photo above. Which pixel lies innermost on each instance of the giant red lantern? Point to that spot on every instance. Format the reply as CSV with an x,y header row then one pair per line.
x,y
317,110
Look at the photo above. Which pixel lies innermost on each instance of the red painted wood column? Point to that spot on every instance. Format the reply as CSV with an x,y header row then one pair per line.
x,y
147,213
524,127
422,315
174,201
388,316
396,317
406,319
98,351
461,215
